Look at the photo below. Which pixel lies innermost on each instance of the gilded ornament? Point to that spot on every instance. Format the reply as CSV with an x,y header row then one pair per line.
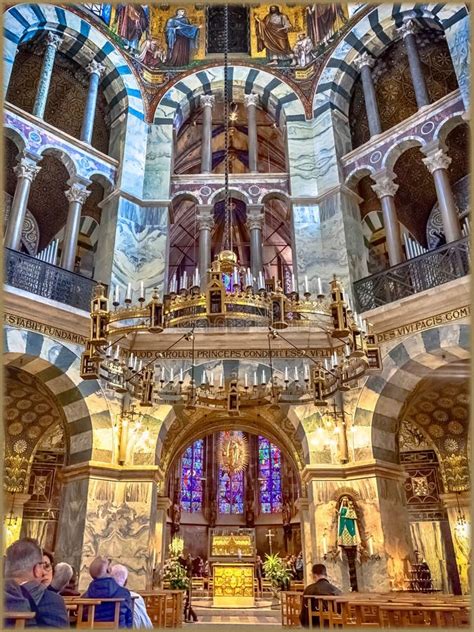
x,y
445,402
427,407
463,398
233,452
42,408
29,417
12,413
423,419
459,412
455,427
33,432
436,431
24,404
441,415
19,393
15,428
451,445
20,446
45,420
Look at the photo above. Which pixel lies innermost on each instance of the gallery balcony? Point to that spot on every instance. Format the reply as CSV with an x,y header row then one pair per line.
x,y
433,268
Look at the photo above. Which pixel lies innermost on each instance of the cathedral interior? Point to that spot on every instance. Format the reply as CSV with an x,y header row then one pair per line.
x,y
236,301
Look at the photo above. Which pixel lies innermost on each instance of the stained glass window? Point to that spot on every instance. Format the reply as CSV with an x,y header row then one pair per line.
x,y
231,491
192,471
269,471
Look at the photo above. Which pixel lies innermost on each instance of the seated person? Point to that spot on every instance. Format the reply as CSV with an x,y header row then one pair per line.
x,y
104,586
24,590
61,578
70,590
48,568
140,616
320,586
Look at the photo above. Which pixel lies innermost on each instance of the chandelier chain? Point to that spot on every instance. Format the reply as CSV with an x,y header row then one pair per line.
x,y
227,209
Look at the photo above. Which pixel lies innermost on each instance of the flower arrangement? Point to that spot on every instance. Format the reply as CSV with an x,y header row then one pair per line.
x,y
277,572
173,571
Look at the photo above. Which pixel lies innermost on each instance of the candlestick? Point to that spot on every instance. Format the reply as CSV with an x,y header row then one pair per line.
x,y
117,353
142,290
320,287
246,380
286,374
171,374
181,375
296,374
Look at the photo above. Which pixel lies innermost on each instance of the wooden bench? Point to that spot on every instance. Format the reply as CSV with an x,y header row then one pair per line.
x,y
165,608
291,608
83,606
19,618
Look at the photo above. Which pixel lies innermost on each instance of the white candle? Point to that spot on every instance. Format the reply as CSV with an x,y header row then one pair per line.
x,y
171,374
370,542
293,286
181,375
286,374
348,350
296,374
117,352
306,284
130,361
162,373
334,359
246,380
204,377
320,286
211,381
264,379
255,378
221,381
142,290
129,292
306,372
140,365
117,294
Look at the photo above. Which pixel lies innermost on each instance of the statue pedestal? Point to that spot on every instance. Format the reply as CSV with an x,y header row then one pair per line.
x,y
233,585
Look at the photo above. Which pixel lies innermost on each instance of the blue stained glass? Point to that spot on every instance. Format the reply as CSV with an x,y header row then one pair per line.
x,y
231,491
269,466
192,471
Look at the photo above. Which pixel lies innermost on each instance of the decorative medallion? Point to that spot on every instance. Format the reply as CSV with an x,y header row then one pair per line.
x,y
233,452
455,427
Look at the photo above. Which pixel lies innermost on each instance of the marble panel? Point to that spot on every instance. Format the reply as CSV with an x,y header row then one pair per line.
x,y
159,162
429,541
71,526
301,159
133,136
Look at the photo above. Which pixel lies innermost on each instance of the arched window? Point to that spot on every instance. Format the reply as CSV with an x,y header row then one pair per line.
x,y
231,490
192,471
269,472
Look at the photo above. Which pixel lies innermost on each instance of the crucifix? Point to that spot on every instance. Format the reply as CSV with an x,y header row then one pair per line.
x,y
270,536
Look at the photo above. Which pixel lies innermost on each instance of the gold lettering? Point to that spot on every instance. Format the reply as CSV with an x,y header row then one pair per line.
x,y
422,324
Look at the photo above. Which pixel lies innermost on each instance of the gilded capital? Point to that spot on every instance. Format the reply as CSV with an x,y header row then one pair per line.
x,y
364,59
53,40
26,168
437,159
408,28
77,193
95,68
384,185
207,100
251,99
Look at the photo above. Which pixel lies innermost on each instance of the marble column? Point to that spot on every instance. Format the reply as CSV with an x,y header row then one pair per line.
x,y
408,30
76,197
95,70
163,503
460,534
255,222
205,223
303,506
437,162
364,63
26,170
251,102
52,44
207,101
385,188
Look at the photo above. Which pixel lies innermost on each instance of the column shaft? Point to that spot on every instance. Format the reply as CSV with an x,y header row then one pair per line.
x,y
76,196
392,230
207,101
370,98
95,69
251,101
205,219
255,220
416,71
52,44
26,170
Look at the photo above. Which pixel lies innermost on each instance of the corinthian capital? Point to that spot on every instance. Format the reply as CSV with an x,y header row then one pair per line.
x,y
384,184
26,168
255,218
77,193
95,68
205,218
207,100
53,40
364,59
408,28
437,159
251,99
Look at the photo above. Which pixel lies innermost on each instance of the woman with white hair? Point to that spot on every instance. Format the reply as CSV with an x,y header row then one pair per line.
x,y
140,616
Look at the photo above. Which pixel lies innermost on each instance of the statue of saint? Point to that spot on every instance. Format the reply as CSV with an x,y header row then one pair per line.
x,y
347,532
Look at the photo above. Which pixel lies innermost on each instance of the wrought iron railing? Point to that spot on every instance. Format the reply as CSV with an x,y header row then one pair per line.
x,y
421,273
49,281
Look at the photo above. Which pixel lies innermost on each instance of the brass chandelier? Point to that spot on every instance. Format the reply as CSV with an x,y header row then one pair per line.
x,y
232,297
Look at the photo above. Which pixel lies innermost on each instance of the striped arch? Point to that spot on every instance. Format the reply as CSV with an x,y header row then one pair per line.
x,y
404,366
373,34
276,96
83,402
82,42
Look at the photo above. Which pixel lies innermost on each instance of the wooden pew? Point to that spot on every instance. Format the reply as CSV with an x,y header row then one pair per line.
x,y
83,607
19,618
291,608
165,608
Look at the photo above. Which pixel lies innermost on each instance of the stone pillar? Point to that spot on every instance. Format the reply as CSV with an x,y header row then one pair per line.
x,y
207,101
364,63
76,197
205,223
437,162
255,221
26,170
385,188
461,537
408,30
95,69
13,505
52,44
303,506
163,503
251,102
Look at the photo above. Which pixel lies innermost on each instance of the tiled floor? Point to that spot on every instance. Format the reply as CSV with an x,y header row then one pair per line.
x,y
249,616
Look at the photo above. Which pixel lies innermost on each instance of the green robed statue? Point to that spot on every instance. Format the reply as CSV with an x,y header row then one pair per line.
x,y
347,534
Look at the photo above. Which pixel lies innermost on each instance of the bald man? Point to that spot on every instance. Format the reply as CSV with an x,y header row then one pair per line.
x,y
104,586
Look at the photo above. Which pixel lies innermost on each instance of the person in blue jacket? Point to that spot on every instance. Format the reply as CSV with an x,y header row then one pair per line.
x,y
104,586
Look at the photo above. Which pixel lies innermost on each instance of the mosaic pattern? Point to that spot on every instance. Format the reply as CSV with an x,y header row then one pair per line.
x,y
192,471
269,469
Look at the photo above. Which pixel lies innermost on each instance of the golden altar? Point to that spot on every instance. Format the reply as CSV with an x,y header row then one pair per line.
x,y
233,585
231,545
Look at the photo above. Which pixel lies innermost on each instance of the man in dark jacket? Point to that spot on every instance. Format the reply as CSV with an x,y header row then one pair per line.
x,y
24,591
103,586
320,586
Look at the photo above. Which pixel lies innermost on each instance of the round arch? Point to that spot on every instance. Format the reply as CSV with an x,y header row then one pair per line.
x,y
373,33
89,424
383,396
